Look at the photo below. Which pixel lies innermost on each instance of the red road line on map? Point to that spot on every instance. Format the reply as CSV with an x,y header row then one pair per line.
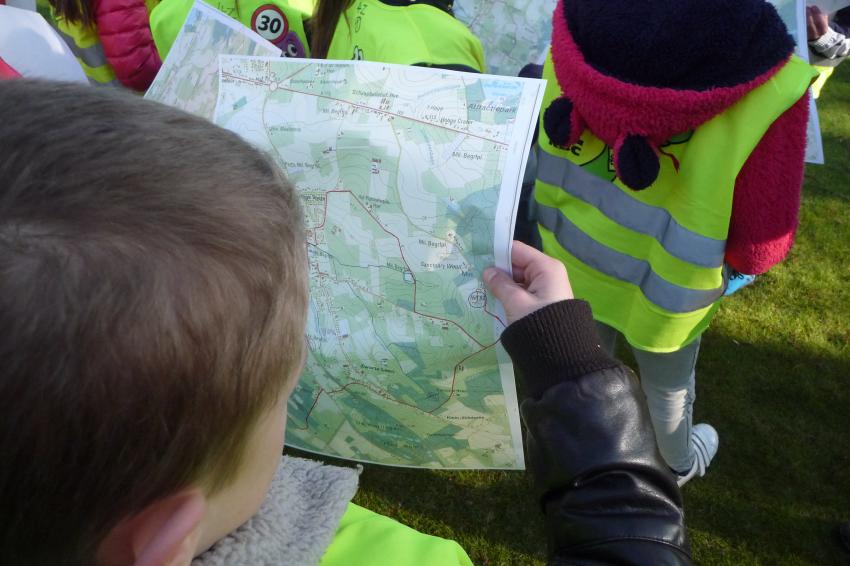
x,y
363,106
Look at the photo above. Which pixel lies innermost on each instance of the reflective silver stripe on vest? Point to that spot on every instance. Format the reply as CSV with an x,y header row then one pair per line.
x,y
622,266
630,213
93,56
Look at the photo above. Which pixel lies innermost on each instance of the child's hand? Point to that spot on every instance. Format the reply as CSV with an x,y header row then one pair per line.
x,y
539,280
817,23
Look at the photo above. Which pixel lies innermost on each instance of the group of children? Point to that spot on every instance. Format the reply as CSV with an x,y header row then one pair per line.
x,y
154,294
124,41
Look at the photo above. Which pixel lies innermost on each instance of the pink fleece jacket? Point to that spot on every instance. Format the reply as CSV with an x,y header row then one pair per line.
x,y
125,34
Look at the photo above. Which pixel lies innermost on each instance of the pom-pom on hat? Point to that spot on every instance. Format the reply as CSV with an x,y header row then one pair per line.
x,y
636,72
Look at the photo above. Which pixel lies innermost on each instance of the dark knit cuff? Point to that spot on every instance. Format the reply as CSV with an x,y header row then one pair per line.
x,y
554,344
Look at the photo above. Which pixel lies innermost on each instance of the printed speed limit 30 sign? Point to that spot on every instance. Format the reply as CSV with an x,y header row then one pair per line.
x,y
270,23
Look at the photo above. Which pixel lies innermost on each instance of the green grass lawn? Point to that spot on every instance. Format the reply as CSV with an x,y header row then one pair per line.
x,y
773,378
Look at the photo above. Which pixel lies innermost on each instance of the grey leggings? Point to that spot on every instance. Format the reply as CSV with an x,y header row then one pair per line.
x,y
667,381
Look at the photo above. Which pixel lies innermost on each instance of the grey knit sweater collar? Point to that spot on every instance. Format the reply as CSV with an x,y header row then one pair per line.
x,y
297,521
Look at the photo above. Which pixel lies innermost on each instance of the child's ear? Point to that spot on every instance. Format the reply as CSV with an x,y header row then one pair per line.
x,y
165,533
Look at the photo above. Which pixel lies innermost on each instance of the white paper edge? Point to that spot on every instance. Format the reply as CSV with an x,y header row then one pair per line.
x,y
506,211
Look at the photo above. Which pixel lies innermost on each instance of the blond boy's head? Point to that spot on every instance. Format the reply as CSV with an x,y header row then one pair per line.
x,y
152,304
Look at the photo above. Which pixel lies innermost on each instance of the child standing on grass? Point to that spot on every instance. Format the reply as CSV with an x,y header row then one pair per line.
x,y
671,154
829,42
153,299
111,39
407,32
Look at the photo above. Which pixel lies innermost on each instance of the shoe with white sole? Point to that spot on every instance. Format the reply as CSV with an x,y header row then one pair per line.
x,y
705,443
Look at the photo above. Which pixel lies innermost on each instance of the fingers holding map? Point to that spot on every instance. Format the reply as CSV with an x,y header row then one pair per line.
x,y
409,178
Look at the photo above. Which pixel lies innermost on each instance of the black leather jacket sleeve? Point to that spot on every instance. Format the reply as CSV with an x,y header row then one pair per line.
x,y
606,493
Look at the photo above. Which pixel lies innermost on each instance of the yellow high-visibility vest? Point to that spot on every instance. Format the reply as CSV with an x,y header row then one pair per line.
x,y
651,262
365,538
415,34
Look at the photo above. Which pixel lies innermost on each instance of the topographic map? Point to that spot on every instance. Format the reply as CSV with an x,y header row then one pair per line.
x,y
409,178
188,78
512,33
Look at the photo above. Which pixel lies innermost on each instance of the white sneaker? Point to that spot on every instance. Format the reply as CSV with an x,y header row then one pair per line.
x,y
705,443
